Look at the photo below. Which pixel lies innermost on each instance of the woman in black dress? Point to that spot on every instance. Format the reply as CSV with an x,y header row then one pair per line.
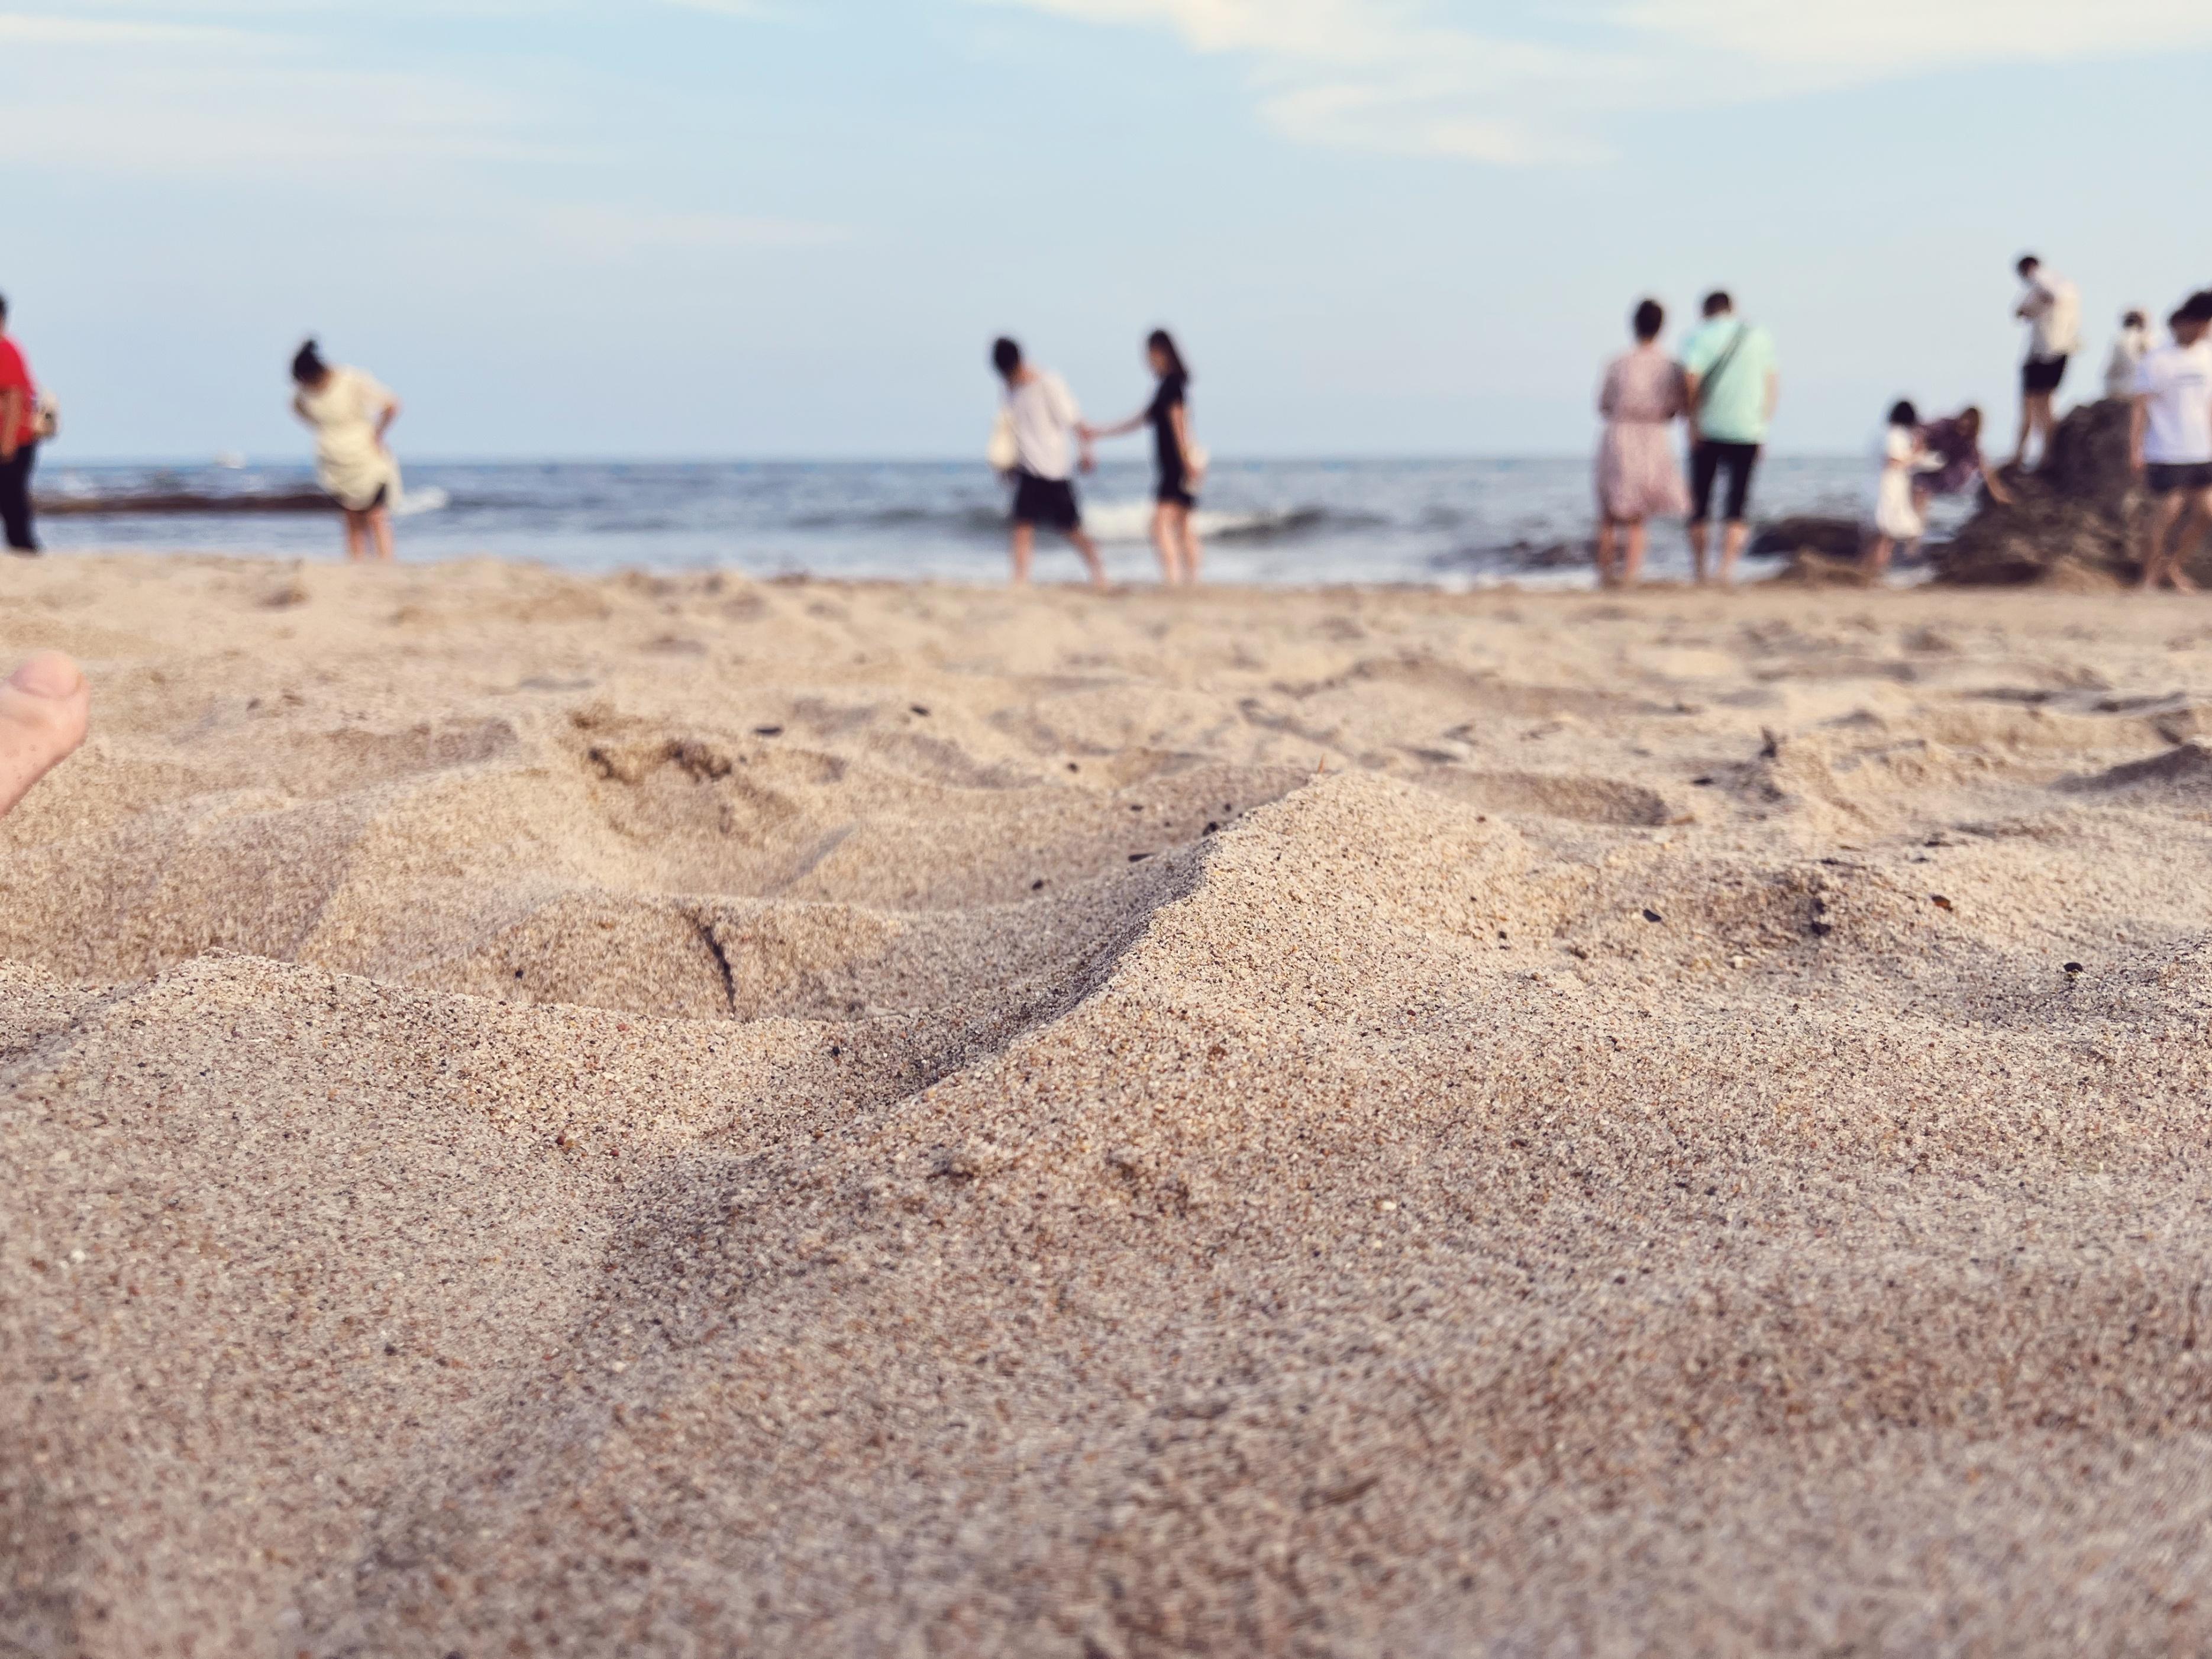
x,y
1181,463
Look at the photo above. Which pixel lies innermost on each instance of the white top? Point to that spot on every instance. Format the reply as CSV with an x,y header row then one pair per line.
x,y
2128,353
1895,514
350,463
1045,418
2178,381
2054,313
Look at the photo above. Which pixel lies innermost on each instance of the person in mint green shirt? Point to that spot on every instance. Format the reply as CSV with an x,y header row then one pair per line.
x,y
1732,388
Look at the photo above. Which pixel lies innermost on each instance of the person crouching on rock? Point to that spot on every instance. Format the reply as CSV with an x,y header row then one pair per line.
x,y
1953,443
2128,353
2170,443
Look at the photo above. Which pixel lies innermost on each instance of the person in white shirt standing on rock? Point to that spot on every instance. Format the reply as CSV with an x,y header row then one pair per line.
x,y
2170,442
1038,425
2051,308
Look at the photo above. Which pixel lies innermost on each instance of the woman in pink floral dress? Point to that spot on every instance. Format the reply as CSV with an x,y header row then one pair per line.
x,y
1638,477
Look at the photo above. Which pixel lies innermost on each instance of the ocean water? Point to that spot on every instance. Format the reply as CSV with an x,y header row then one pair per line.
x,y
1445,523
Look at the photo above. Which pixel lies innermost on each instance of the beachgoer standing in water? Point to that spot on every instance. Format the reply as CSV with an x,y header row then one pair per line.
x,y
350,414
2128,353
1181,464
1897,501
1733,391
1638,479
21,427
1040,420
2169,441
2051,308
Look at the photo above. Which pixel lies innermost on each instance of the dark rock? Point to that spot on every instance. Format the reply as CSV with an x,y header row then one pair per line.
x,y
1809,568
2067,524
1833,537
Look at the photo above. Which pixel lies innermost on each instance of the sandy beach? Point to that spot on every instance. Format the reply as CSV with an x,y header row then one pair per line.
x,y
693,1117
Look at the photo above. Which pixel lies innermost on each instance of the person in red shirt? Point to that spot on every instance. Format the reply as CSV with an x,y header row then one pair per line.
x,y
19,442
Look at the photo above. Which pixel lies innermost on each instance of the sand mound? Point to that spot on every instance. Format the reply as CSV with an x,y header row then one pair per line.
x,y
949,1123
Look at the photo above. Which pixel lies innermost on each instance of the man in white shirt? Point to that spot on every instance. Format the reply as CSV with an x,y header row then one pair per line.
x,y
2169,441
2051,308
1045,419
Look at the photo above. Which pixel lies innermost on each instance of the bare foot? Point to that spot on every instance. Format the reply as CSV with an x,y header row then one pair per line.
x,y
2181,583
45,707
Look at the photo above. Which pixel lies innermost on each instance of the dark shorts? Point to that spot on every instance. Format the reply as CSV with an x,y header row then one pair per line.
x,y
380,499
1706,461
1047,501
2165,479
2042,374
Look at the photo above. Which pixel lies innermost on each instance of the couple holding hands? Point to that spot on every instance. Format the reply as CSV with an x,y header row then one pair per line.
x,y
1035,444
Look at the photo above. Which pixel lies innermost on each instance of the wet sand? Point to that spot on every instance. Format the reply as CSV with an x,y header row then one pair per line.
x,y
689,1117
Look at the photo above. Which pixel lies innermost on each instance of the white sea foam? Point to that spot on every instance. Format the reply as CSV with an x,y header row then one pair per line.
x,y
412,503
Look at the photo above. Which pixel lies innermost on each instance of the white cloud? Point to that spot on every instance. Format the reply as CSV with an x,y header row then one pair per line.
x,y
1405,75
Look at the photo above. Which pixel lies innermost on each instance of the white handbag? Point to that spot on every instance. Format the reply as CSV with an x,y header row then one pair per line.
x,y
1005,450
1195,454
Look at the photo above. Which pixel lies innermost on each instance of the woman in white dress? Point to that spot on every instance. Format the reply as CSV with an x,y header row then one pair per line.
x,y
1897,516
350,414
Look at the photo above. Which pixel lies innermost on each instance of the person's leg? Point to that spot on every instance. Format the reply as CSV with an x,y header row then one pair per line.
x,y
1631,566
1025,551
1608,531
356,527
380,526
45,707
2186,539
1705,470
2041,407
1742,462
1877,557
1089,549
1167,543
1187,522
2165,509
15,499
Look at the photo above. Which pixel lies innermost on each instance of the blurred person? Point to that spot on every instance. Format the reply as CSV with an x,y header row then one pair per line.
x,y
350,414
1897,513
44,708
1644,394
1732,389
2170,443
2051,308
2128,353
21,428
1043,422
1953,446
1181,464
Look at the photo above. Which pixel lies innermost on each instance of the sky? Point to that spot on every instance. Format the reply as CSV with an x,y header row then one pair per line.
x,y
709,228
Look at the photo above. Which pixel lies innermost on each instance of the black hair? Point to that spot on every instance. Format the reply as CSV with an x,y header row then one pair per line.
x,y
1650,318
1163,343
2197,307
1005,357
2134,319
1718,301
307,364
2028,261
1902,413
3,307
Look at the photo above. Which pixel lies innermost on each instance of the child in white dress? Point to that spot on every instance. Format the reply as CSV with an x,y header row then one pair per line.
x,y
1896,515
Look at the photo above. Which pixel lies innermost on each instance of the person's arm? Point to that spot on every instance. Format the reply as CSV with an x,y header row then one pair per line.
x,y
11,421
1119,429
1773,393
300,408
2138,428
1182,437
383,421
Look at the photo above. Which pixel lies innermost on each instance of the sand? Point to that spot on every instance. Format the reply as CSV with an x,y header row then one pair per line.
x,y
688,1117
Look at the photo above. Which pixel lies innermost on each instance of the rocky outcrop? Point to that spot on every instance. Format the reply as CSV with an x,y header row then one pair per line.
x,y
1829,538
2067,524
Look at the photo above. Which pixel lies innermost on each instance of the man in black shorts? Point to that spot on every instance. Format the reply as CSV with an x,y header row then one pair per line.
x,y
1044,418
1732,389
2051,308
2171,442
